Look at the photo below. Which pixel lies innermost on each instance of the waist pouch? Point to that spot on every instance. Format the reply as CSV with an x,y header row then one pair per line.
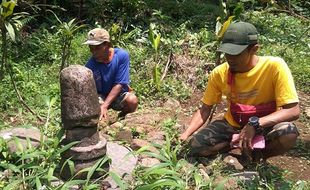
x,y
242,112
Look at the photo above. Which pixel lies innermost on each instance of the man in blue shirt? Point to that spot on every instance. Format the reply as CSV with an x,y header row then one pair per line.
x,y
110,67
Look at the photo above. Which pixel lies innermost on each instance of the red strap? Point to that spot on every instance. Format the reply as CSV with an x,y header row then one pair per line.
x,y
230,82
230,78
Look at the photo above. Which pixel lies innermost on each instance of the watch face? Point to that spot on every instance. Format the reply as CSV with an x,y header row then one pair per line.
x,y
253,119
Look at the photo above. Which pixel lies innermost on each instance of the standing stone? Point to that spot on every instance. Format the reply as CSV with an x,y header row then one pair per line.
x,y
79,133
79,112
79,99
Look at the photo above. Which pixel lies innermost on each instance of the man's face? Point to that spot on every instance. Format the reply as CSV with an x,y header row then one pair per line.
x,y
237,63
100,52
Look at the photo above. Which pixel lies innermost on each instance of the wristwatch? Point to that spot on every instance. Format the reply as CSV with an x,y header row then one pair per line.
x,y
254,122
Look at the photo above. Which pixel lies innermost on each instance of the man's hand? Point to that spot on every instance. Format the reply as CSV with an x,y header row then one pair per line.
x,y
245,143
183,136
246,136
103,112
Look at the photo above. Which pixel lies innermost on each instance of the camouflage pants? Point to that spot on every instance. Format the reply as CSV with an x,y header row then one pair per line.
x,y
220,131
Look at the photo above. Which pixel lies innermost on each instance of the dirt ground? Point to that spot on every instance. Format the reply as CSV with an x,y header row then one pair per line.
x,y
294,165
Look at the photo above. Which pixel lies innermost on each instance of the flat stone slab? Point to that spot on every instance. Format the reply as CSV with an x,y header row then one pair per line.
x,y
22,134
246,176
123,163
87,149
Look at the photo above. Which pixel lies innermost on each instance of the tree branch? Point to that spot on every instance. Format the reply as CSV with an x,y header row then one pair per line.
x,y
167,66
21,100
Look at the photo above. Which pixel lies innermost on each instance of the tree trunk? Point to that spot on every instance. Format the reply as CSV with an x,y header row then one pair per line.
x,y
44,8
80,9
4,50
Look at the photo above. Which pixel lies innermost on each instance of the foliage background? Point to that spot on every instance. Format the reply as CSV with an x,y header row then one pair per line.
x,y
186,29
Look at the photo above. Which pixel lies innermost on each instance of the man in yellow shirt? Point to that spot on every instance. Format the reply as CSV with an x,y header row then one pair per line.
x,y
261,99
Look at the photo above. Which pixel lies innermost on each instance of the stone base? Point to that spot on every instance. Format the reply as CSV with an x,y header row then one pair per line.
x,y
66,174
87,149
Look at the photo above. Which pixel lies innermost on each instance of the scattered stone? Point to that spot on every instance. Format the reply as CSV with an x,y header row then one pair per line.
x,y
19,139
172,104
155,135
32,133
229,183
141,129
123,162
13,146
124,135
117,125
79,99
138,143
233,162
307,111
235,152
204,172
246,176
79,133
87,149
149,162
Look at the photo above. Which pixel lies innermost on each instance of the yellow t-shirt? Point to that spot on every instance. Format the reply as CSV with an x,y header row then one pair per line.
x,y
270,80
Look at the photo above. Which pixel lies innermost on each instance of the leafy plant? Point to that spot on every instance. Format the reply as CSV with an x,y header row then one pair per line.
x,y
66,32
154,38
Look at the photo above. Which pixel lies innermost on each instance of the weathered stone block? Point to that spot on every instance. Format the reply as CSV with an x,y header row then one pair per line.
x,y
79,133
22,134
87,149
79,99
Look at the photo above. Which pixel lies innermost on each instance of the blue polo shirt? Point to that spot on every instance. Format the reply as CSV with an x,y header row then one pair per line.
x,y
108,75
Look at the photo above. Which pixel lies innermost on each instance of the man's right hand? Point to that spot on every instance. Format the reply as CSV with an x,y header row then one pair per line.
x,y
183,136
103,112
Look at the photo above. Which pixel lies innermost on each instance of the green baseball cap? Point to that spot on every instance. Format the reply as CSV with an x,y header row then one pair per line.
x,y
238,37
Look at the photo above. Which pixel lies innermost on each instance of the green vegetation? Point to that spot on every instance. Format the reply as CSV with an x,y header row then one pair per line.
x,y
157,34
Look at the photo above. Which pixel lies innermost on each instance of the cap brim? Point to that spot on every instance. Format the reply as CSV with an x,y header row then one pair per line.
x,y
231,49
92,42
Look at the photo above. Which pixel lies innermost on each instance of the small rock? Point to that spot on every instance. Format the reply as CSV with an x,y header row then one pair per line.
x,y
156,135
230,184
124,135
204,172
232,161
307,111
138,143
117,125
246,176
149,162
172,104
